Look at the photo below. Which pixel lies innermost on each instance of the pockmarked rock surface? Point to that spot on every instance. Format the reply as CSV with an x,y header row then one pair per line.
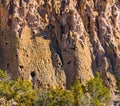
x,y
60,41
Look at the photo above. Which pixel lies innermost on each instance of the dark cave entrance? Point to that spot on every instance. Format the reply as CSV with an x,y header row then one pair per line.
x,y
33,74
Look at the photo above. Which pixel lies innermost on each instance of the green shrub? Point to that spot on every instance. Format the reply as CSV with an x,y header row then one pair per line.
x,y
77,92
99,94
3,76
55,97
19,90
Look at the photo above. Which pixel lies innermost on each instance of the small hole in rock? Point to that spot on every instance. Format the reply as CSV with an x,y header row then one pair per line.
x,y
48,85
33,74
8,65
59,63
63,84
21,67
109,80
6,43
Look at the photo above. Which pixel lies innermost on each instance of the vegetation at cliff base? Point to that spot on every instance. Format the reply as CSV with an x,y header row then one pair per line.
x,y
77,92
54,97
99,94
118,86
20,93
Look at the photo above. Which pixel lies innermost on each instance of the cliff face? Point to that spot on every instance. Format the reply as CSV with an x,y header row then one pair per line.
x,y
53,42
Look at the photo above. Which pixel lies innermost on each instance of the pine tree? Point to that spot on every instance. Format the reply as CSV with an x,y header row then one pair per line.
x,y
99,94
77,92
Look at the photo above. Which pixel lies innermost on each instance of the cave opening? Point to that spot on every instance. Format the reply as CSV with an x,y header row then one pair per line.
x,y
27,55
21,67
8,65
32,74
33,78
6,43
16,56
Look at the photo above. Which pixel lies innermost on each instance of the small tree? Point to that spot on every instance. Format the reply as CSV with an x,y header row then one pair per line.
x,y
54,97
59,97
41,97
23,93
18,90
3,76
77,92
99,94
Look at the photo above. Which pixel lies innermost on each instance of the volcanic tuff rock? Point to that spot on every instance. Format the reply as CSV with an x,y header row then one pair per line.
x,y
54,42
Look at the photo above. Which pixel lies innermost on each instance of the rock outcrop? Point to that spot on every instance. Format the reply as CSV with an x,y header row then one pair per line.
x,y
60,41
